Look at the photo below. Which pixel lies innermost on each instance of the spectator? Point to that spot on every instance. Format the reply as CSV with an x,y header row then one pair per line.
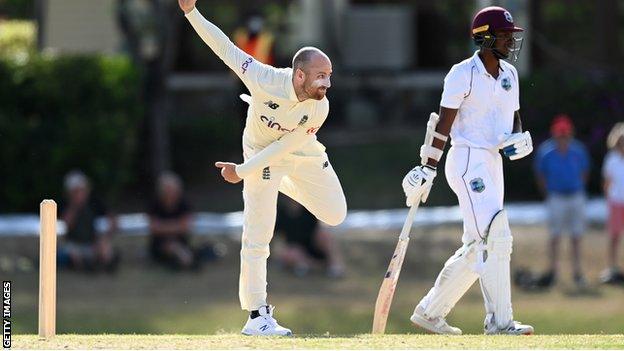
x,y
256,40
562,171
83,248
308,245
613,174
170,225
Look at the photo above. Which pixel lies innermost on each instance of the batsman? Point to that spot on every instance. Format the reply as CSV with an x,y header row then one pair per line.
x,y
287,107
479,108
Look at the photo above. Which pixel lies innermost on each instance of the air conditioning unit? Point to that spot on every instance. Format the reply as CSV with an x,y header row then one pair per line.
x,y
79,26
378,37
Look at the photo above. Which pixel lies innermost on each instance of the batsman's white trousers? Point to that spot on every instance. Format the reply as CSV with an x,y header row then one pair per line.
x,y
309,180
476,177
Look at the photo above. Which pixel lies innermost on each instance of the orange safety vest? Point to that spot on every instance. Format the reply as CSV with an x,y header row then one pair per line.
x,y
260,47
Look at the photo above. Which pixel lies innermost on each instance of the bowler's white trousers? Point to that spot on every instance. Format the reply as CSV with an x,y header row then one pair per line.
x,y
476,177
309,180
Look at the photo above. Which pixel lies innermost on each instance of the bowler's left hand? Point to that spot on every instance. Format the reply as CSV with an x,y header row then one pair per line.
x,y
228,172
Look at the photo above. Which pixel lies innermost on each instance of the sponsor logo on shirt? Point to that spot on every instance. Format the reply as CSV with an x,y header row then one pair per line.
x,y
246,64
506,83
312,130
270,122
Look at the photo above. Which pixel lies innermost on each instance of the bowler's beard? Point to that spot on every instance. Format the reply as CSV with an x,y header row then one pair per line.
x,y
315,90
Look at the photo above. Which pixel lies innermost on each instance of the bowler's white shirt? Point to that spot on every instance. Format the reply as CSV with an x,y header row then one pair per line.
x,y
486,105
277,123
613,169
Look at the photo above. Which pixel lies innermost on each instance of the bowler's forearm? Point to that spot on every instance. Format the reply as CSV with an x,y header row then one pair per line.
x,y
274,152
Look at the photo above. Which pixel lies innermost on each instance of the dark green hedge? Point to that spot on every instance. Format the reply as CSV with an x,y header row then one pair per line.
x,y
17,9
59,114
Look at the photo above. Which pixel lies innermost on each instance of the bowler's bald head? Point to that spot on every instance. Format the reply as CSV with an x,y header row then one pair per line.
x,y
307,55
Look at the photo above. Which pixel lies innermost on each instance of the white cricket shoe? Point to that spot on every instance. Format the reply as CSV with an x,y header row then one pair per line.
x,y
434,325
265,324
514,328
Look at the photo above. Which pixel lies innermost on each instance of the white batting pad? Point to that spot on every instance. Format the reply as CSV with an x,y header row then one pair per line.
x,y
452,283
495,280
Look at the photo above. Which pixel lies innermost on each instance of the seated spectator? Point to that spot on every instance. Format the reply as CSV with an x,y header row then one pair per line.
x,y
83,248
170,224
308,245
613,175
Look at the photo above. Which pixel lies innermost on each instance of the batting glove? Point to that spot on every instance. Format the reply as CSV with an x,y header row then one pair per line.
x,y
417,184
517,145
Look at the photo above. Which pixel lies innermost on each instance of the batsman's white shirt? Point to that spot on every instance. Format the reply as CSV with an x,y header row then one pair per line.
x,y
281,155
486,105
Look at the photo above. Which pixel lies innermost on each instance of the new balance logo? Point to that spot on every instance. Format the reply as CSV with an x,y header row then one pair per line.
x,y
272,105
264,327
266,173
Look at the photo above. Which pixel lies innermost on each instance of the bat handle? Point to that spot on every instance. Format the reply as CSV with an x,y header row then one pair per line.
x,y
408,221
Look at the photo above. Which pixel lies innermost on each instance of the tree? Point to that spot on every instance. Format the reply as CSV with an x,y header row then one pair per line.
x,y
149,28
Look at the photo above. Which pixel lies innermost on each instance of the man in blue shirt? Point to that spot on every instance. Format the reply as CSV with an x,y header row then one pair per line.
x,y
562,170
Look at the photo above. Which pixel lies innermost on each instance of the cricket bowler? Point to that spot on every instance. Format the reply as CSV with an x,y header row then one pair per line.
x,y
281,154
480,110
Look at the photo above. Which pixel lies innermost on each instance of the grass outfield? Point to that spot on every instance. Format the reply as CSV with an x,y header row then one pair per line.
x,y
145,300
233,341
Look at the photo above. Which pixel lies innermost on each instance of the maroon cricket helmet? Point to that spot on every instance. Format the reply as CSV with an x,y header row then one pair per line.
x,y
484,25
493,18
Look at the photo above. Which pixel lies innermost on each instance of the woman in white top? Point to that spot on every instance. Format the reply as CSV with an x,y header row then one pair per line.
x,y
613,174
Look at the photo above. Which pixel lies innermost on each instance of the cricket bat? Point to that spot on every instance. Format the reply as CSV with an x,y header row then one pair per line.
x,y
389,283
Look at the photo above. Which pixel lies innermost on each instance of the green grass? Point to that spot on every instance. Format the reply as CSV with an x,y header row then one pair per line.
x,y
142,299
234,341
